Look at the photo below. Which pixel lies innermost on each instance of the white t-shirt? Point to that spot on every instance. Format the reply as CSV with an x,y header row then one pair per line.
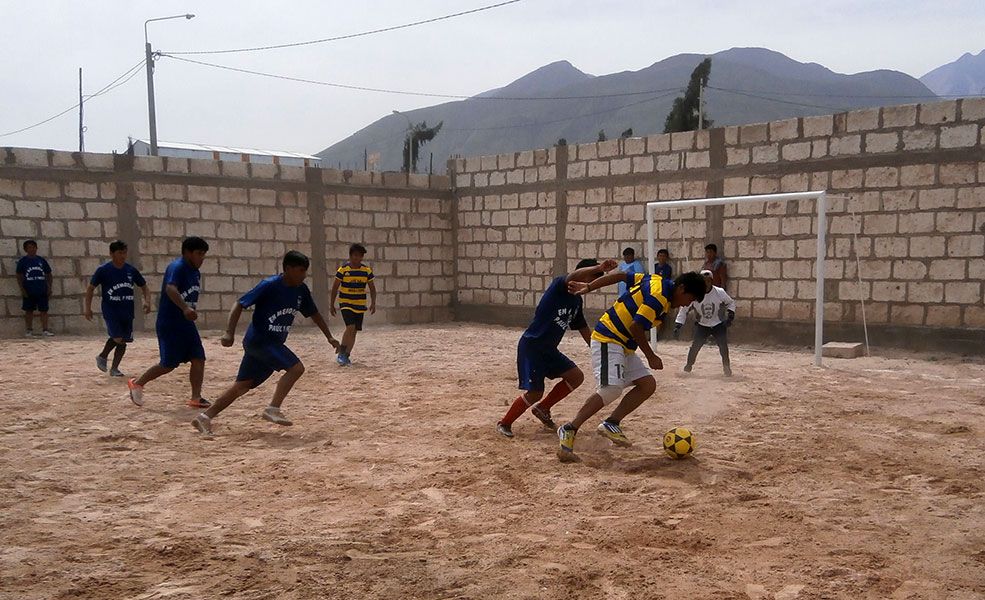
x,y
711,310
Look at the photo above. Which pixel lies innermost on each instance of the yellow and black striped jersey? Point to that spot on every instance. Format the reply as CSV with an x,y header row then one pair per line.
x,y
352,286
646,302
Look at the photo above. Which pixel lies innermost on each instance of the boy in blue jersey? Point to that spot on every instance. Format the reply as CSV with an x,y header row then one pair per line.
x,y
618,333
276,300
537,356
177,336
662,266
629,266
34,280
116,279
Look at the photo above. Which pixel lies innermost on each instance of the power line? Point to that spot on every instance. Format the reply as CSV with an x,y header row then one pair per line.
x,y
122,79
352,35
750,95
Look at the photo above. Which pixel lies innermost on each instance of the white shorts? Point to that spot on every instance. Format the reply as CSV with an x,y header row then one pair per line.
x,y
615,367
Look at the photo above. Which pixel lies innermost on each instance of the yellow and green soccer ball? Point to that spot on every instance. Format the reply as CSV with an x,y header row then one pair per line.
x,y
679,443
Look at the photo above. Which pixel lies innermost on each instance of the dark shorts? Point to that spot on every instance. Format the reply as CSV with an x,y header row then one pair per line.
x,y
536,363
179,346
119,327
353,318
261,360
35,303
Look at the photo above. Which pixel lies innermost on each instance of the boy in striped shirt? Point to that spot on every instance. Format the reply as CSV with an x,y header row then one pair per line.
x,y
618,333
349,287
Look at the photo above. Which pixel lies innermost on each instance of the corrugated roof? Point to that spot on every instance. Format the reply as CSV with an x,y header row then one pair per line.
x,y
230,149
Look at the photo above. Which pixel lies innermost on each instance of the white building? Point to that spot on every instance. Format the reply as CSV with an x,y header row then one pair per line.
x,y
207,151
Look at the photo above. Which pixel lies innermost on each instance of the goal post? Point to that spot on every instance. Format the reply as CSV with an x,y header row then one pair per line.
x,y
820,199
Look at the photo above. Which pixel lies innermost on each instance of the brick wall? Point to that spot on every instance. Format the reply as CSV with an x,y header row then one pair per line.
x,y
908,181
75,204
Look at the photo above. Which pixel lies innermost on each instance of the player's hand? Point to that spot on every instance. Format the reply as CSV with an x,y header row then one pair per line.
x,y
146,309
655,363
88,314
227,339
332,310
190,314
372,310
578,288
334,342
608,264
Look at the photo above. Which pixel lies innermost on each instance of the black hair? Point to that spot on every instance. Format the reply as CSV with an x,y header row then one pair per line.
x,y
117,246
28,243
712,247
353,249
587,262
296,259
663,251
628,251
693,283
194,243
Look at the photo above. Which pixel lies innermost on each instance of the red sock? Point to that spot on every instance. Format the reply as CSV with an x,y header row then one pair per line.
x,y
557,393
519,407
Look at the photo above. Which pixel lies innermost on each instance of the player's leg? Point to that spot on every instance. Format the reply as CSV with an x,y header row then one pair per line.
x,y
700,335
171,354
273,413
196,375
608,362
643,387
721,336
29,322
203,421
571,379
531,380
44,323
102,360
121,348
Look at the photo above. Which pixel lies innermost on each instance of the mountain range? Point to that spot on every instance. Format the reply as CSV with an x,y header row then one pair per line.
x,y
747,85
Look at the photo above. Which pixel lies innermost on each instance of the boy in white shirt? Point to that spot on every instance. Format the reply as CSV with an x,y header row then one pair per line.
x,y
715,315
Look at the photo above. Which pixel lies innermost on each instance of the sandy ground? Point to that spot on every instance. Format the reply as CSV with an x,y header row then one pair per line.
x,y
860,480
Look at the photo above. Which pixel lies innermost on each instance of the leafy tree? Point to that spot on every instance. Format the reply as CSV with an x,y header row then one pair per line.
x,y
683,115
561,142
420,134
602,137
627,134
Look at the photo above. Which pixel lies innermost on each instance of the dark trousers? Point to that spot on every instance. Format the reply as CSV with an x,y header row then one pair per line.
x,y
701,333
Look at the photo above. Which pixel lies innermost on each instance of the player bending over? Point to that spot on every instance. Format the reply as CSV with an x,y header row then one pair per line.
x,y
537,356
712,321
276,300
618,333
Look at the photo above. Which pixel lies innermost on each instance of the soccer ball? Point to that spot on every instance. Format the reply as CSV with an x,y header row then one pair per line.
x,y
679,442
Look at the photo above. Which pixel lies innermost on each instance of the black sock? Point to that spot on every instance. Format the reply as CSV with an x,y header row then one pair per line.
x,y
118,355
110,344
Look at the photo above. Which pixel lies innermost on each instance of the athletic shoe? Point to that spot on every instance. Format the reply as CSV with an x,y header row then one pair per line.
x,y
203,424
504,429
274,415
199,403
101,363
29,333
47,333
116,373
544,416
614,434
136,392
728,370
687,368
566,447
343,360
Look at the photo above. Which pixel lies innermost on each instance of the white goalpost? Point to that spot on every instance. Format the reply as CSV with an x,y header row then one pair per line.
x,y
821,202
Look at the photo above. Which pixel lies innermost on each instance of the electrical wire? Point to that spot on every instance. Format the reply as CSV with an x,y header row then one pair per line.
x,y
351,35
761,97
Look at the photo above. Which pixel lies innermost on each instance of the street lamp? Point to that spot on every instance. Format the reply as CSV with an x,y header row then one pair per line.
x,y
152,114
410,147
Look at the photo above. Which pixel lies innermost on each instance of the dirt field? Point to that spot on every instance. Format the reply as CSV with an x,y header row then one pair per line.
x,y
861,480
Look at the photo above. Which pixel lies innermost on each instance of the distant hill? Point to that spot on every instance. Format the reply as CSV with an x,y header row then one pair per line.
x,y
963,77
748,85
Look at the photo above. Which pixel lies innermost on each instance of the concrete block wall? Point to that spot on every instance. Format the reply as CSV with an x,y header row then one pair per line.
x,y
75,204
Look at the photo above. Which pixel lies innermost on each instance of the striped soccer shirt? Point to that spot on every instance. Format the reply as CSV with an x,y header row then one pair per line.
x,y
352,286
645,302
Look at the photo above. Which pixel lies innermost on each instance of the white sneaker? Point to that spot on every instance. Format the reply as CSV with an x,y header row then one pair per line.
x,y
47,333
203,424
29,333
136,392
274,415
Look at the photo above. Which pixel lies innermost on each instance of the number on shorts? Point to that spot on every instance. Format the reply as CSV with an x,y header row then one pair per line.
x,y
619,369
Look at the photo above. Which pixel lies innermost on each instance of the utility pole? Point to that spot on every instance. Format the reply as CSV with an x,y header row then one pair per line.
x,y
82,144
149,60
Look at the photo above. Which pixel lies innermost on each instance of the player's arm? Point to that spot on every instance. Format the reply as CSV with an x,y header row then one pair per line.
x,y
145,292
90,289
20,284
730,309
643,341
231,322
588,273
586,334
172,291
49,281
335,294
681,320
372,297
323,325
581,288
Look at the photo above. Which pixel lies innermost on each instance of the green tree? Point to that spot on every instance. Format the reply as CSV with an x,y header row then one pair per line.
x,y
683,115
420,134
561,142
602,137
627,134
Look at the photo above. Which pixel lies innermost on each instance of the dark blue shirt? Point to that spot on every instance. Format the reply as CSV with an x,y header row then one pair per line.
x,y
188,281
117,285
275,304
557,311
35,270
664,270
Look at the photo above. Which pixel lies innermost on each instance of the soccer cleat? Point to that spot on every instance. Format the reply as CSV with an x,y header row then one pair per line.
x,y
504,429
136,392
343,360
566,446
544,416
687,368
47,333
199,403
116,373
274,415
203,424
614,434
101,363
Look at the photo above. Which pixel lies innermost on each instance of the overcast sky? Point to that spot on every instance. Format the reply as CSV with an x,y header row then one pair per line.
x,y
43,43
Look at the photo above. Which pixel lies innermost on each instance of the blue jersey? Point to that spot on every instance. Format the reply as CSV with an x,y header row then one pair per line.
x,y
557,311
275,304
629,269
35,271
664,270
117,285
188,281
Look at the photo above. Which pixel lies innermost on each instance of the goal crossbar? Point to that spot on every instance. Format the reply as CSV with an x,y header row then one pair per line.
x,y
821,201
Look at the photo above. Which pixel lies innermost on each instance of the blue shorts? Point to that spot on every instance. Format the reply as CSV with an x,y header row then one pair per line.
x,y
179,345
536,363
35,303
119,327
261,360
